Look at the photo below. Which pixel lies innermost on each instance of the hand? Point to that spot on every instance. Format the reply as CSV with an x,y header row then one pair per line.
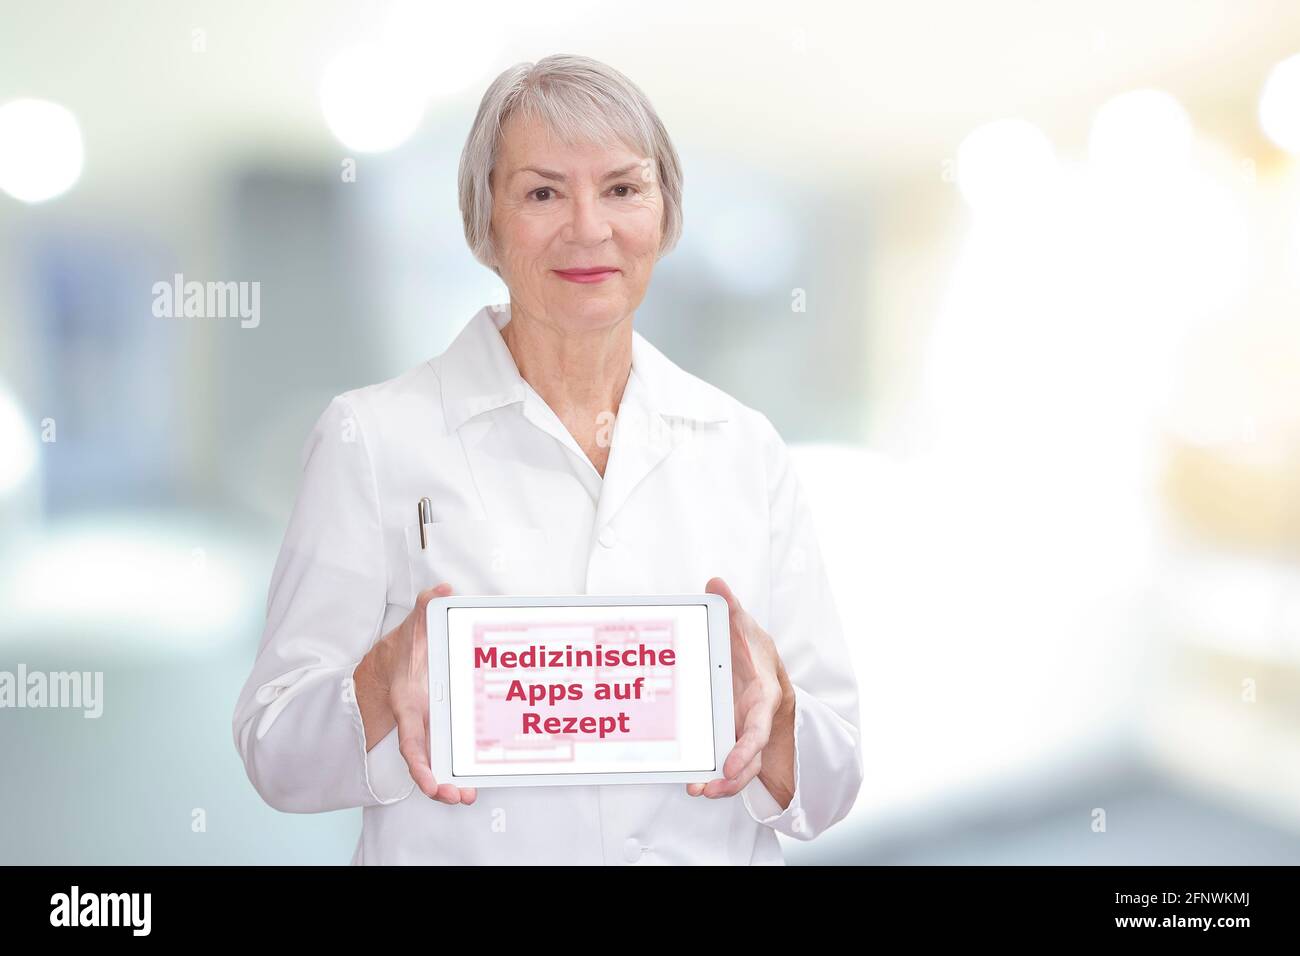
x,y
764,708
395,679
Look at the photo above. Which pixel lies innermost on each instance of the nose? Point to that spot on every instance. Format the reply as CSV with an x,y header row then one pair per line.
x,y
588,225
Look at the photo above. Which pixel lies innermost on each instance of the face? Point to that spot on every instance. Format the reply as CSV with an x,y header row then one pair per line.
x,y
559,208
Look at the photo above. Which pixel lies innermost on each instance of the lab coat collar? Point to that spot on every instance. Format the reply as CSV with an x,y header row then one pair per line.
x,y
478,374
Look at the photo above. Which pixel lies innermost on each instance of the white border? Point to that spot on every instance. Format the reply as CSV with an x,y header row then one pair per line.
x,y
724,722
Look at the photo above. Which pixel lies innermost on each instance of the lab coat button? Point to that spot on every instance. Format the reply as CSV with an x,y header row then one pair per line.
x,y
607,537
631,849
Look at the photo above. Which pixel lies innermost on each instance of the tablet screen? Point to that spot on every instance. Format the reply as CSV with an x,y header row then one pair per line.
x,y
575,689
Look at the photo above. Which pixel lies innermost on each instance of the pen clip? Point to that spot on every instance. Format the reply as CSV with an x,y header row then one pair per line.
x,y
424,515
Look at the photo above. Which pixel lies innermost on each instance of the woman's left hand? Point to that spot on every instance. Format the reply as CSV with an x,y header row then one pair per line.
x,y
764,705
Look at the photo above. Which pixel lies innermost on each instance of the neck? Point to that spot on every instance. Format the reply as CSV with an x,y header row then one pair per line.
x,y
578,374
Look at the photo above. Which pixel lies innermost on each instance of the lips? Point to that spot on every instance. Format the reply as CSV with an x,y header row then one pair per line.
x,y
588,274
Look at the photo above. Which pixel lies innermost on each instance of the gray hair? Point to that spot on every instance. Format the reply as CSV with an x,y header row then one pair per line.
x,y
582,101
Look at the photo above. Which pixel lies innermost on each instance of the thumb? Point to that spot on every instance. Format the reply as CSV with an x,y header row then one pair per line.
x,y
741,653
439,591
719,587
716,585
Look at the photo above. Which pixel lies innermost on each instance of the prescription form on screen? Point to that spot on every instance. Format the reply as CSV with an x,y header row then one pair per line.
x,y
579,689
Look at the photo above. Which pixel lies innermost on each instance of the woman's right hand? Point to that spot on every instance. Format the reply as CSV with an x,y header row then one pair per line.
x,y
392,687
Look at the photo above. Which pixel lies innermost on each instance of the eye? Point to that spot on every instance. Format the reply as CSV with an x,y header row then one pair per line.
x,y
628,186
541,189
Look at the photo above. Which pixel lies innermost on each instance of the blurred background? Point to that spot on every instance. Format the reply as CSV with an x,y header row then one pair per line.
x,y
1038,265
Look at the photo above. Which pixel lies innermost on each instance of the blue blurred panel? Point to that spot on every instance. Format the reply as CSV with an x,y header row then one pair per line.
x,y
765,294
296,234
110,372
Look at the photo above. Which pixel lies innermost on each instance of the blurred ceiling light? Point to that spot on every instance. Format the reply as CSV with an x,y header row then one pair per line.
x,y
1004,165
1293,259
445,49
371,101
1168,239
17,446
40,149
1279,104
1140,134
142,576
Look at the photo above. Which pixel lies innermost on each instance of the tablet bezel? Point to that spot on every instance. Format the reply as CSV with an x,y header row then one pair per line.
x,y
724,729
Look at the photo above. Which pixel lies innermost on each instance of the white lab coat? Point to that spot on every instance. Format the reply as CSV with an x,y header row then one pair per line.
x,y
697,485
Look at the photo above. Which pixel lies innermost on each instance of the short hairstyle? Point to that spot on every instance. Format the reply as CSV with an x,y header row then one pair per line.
x,y
582,101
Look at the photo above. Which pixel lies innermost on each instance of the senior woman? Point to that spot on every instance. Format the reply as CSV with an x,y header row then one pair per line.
x,y
562,453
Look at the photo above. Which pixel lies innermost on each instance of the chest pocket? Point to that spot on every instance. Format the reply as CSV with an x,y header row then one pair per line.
x,y
477,556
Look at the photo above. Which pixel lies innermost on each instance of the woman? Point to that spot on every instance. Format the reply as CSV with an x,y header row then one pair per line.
x,y
562,453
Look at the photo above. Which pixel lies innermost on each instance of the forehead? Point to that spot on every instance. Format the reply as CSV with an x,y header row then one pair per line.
x,y
528,141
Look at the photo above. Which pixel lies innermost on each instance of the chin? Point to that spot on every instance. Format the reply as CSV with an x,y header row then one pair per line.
x,y
595,311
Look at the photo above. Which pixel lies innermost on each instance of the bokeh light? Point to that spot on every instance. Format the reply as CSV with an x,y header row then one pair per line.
x,y
41,151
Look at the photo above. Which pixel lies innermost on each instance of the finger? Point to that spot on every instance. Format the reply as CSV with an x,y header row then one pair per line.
x,y
729,788
468,795
444,793
695,789
414,747
758,731
448,793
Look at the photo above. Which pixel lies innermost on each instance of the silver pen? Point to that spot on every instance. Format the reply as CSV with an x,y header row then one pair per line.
x,y
424,514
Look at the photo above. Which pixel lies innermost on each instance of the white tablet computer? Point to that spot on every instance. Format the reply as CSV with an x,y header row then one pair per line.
x,y
535,691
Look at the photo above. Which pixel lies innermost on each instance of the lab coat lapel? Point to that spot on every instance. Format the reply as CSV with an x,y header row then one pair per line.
x,y
544,417
477,371
640,442
661,403
661,407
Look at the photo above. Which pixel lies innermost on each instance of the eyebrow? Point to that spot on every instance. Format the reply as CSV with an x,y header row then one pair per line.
x,y
560,177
